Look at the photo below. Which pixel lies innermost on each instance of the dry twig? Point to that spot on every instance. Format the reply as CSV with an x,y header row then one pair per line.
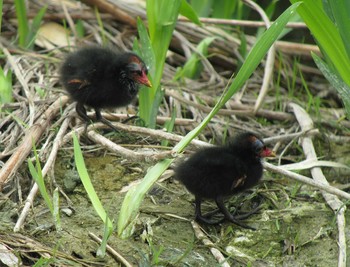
x,y
216,253
32,136
337,206
111,251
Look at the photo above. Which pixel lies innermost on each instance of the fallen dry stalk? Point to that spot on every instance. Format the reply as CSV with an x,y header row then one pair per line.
x,y
216,253
336,205
306,180
48,165
127,153
111,251
31,137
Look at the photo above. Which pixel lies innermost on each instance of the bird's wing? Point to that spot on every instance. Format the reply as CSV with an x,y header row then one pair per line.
x,y
81,83
230,167
239,182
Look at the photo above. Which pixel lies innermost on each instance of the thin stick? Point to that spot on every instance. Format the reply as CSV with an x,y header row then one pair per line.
x,y
216,253
306,180
139,130
112,9
337,206
160,119
49,164
110,250
270,59
127,153
32,136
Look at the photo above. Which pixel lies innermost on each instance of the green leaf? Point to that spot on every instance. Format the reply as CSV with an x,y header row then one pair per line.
x,y
335,81
23,28
1,4
85,179
193,66
38,178
224,8
341,14
327,36
132,201
162,17
129,210
5,86
35,27
146,95
169,125
187,11
202,7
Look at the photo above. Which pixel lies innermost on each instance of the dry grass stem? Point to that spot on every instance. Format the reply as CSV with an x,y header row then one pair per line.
x,y
116,255
50,162
333,201
216,253
31,137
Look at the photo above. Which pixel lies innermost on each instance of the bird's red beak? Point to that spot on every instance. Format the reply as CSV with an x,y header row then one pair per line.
x,y
267,153
144,80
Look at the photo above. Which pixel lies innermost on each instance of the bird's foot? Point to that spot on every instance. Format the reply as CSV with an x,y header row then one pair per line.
x,y
237,222
137,119
244,215
109,124
204,219
134,117
100,118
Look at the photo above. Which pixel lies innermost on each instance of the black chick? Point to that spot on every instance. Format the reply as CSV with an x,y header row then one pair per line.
x,y
102,78
217,172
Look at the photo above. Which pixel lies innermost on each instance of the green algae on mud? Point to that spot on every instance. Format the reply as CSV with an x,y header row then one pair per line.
x,y
291,231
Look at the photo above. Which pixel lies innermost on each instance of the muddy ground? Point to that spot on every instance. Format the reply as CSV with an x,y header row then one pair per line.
x,y
293,228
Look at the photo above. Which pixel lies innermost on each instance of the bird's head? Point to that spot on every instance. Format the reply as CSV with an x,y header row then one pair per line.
x,y
137,71
248,144
259,148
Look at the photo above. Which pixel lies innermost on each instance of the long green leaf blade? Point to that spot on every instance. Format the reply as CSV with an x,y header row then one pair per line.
x,y
84,176
327,36
333,78
135,195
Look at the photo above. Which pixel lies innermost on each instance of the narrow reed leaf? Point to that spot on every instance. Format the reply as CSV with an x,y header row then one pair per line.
x,y
187,11
203,8
101,251
341,14
143,47
33,29
5,86
193,66
132,201
342,88
162,17
169,125
23,28
38,178
1,4
326,35
100,24
85,179
130,207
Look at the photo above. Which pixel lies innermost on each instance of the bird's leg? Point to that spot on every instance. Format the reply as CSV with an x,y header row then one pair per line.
x,y
244,215
220,202
80,109
247,214
130,118
198,214
103,120
137,118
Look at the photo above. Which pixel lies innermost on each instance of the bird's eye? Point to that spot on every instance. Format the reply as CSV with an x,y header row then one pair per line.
x,y
258,146
138,72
